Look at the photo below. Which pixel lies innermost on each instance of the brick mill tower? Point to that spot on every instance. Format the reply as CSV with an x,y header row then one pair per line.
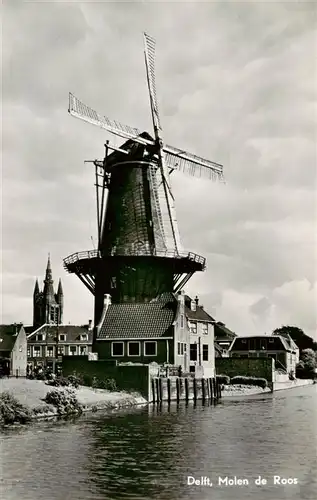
x,y
139,255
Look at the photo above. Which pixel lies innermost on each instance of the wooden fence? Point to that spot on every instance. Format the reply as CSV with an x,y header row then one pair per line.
x,y
184,389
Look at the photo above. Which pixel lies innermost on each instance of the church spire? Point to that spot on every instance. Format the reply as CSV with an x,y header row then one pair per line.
x,y
48,282
36,288
60,288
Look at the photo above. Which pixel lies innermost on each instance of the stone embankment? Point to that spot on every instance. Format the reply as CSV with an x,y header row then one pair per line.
x,y
31,393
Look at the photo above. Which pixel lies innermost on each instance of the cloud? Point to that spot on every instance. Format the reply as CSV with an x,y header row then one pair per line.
x,y
236,84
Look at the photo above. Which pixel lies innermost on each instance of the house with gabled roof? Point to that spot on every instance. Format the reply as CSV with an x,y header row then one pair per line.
x,y
13,350
202,336
223,338
45,342
281,349
154,331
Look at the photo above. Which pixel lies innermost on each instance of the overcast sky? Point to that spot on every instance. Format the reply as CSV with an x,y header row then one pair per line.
x,y
236,84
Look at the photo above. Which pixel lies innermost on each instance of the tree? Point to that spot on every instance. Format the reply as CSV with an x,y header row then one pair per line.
x,y
300,338
307,364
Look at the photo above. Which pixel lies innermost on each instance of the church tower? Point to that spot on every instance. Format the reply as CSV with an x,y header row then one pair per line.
x,y
47,305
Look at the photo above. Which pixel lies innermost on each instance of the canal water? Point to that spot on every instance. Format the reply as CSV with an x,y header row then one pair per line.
x,y
150,453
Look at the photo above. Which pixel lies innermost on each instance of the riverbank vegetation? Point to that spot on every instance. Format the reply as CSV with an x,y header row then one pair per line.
x,y
12,411
24,400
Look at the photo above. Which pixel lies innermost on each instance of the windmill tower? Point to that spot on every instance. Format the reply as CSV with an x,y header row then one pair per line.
x,y
139,253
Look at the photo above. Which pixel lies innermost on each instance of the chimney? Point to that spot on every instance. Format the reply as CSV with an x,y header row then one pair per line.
x,y
89,325
181,297
106,300
197,300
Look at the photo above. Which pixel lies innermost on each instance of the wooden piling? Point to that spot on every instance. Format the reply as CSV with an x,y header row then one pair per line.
x,y
157,390
186,389
210,388
169,390
195,390
177,389
161,389
203,390
214,388
153,389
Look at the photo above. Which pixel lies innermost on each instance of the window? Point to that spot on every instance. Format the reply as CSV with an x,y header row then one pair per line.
x,y
84,336
49,351
271,341
117,349
185,347
133,348
205,352
62,337
244,341
40,337
54,314
191,369
193,327
182,320
72,350
205,328
178,348
29,351
61,350
193,352
36,351
182,349
150,348
83,350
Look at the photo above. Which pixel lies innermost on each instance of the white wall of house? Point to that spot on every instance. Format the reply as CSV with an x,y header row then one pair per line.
x,y
204,339
181,335
19,355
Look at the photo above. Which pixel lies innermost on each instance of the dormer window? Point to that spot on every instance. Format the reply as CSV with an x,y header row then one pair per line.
x,y
205,329
40,337
62,337
193,305
84,336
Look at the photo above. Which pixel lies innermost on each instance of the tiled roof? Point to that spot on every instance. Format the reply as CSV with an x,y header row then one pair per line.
x,y
198,315
279,343
139,320
72,332
222,332
8,336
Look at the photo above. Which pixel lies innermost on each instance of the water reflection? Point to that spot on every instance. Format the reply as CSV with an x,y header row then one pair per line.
x,y
149,452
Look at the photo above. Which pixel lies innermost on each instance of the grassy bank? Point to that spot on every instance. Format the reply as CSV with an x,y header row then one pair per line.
x,y
31,395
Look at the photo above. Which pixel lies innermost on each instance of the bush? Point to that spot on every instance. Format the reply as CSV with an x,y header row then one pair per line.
x,y
108,384
71,381
12,411
223,379
257,381
64,400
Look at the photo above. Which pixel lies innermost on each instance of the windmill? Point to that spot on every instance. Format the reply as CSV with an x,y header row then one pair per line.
x,y
139,253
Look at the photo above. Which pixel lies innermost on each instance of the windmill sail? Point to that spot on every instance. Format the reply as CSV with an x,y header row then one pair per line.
x,y
167,200
80,110
149,52
175,158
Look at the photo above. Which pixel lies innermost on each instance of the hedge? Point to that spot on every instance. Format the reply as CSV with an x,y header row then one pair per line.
x,y
257,381
223,379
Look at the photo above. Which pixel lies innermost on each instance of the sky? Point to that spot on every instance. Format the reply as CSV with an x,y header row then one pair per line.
x,y
236,83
